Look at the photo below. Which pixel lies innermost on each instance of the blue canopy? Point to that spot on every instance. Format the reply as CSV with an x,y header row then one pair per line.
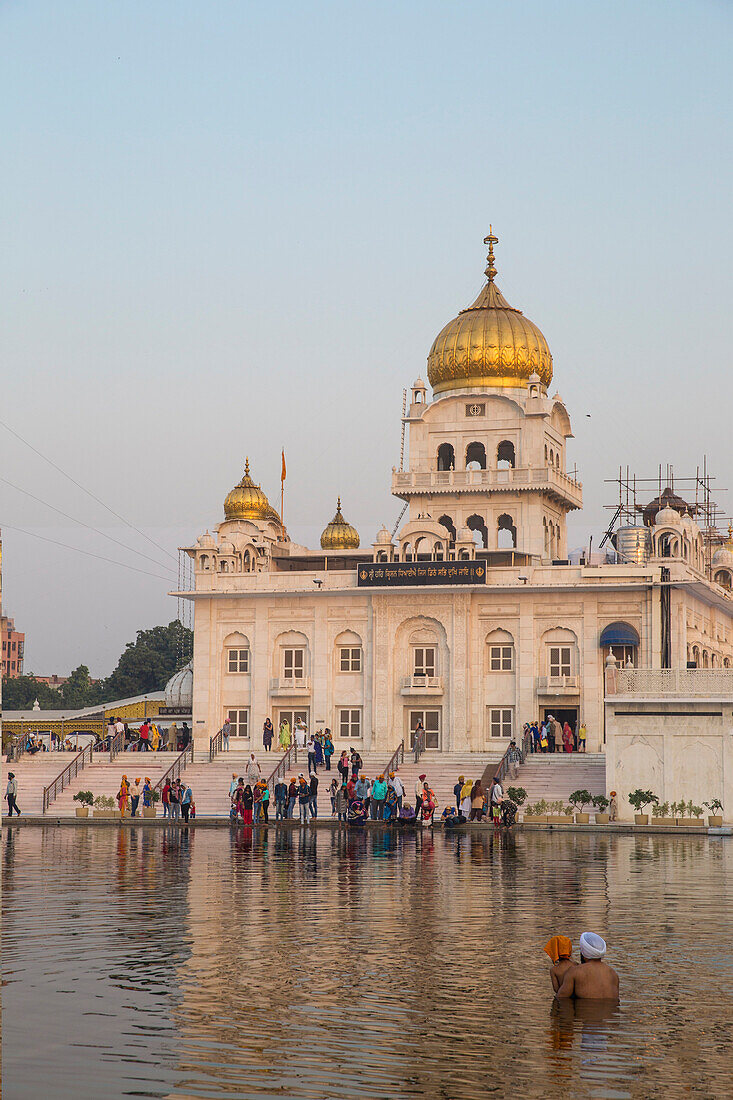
x,y
619,634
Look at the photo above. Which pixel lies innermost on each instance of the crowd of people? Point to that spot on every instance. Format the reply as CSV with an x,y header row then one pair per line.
x,y
149,736
549,735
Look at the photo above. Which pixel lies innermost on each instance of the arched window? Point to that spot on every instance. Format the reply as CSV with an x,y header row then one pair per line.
x,y
446,457
705,659
464,555
723,578
407,552
447,522
726,662
547,538
422,550
223,566
505,457
696,655
622,640
545,452
552,457
204,561
480,530
475,456
382,555
507,533
557,460
714,660
438,551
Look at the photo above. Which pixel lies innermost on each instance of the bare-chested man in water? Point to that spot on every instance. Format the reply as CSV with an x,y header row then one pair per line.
x,y
594,979
560,950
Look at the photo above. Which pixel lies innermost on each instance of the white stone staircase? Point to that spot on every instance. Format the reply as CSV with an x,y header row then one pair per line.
x,y
554,776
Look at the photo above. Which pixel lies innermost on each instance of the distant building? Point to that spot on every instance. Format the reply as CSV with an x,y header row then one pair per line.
x,y
13,648
54,681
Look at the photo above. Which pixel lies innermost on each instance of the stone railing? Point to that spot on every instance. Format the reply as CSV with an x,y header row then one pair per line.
x,y
557,684
416,684
654,682
290,685
448,481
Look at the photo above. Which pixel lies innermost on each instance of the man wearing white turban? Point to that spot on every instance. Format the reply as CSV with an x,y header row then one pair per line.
x,y
593,979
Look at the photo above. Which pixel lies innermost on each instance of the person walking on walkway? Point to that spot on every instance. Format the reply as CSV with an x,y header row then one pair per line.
x,y
356,763
333,788
301,733
313,803
343,766
379,794
265,801
497,794
311,748
292,797
328,749
419,791
284,736
257,801
166,798
304,799
398,787
186,801
341,803
582,735
11,794
226,731
281,800
268,735
254,771
175,800
457,790
134,797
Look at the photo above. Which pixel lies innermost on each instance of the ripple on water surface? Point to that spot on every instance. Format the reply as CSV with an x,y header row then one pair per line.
x,y
319,965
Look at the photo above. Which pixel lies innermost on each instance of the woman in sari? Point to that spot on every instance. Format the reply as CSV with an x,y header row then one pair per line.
x,y
123,795
465,804
477,801
147,793
427,805
285,737
567,738
247,802
154,737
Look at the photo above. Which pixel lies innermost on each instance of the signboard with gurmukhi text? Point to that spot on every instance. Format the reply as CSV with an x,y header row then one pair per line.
x,y
395,573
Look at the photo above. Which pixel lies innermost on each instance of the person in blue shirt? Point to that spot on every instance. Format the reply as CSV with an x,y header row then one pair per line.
x,y
379,793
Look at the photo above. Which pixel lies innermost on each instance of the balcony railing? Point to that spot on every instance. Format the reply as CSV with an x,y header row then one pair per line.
x,y
422,685
558,685
290,685
525,477
654,682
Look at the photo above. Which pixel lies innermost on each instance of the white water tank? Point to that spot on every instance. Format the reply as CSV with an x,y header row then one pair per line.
x,y
633,545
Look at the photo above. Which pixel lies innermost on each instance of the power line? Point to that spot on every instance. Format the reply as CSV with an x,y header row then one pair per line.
x,y
85,490
87,553
81,523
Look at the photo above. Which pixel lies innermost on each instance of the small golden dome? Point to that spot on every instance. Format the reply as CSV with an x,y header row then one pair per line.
x,y
339,535
247,501
488,344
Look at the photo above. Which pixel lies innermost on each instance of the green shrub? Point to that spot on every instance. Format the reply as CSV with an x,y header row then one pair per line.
x,y
580,799
600,803
517,794
86,798
715,806
660,809
639,799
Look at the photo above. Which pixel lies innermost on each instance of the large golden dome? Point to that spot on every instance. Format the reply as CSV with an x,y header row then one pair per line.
x,y
488,344
247,501
339,535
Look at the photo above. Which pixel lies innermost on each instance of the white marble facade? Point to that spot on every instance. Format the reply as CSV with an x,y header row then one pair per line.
x,y
281,629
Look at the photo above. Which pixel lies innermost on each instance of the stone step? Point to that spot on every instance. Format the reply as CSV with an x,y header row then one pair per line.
x,y
442,771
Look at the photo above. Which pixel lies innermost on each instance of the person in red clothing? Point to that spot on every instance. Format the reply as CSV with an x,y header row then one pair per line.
x,y
145,736
166,798
351,789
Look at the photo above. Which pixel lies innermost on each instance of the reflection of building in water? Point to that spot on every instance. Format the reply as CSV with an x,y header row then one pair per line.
x,y
472,616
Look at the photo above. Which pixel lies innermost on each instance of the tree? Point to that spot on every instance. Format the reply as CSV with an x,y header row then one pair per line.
x,y
21,692
79,691
148,663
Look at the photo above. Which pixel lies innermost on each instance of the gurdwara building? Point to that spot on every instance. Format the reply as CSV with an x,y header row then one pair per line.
x,y
470,618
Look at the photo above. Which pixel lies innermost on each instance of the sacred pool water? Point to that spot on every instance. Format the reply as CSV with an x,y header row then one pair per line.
x,y
319,964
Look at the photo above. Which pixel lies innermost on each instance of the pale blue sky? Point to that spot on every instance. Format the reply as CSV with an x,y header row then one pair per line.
x,y
234,226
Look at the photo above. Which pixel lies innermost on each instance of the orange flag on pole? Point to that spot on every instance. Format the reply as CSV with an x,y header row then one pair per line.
x,y
283,473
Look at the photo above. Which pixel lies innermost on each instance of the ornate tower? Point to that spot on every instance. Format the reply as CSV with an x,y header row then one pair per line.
x,y
487,454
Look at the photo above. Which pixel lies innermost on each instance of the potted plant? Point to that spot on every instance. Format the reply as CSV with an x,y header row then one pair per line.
x,y
104,806
600,804
695,813
640,799
151,811
560,814
85,800
660,814
580,799
536,814
715,821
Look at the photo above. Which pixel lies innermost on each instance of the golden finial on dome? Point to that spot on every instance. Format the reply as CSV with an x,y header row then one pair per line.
x,y
339,535
489,345
491,240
